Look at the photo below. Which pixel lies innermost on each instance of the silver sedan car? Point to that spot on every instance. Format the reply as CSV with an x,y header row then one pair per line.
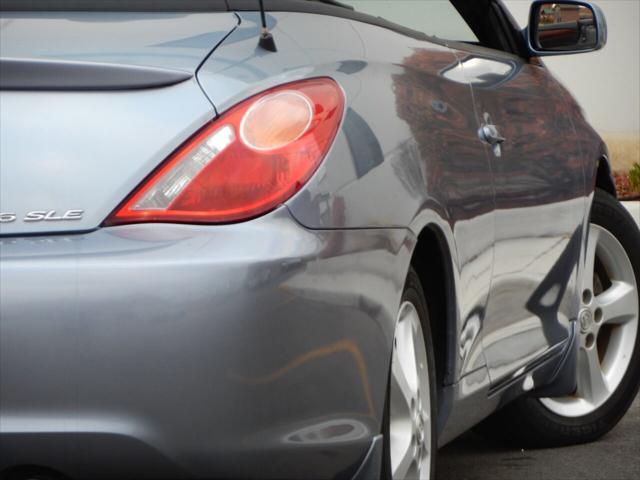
x,y
301,239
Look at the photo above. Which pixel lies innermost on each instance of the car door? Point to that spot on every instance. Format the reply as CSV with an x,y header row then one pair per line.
x,y
539,195
420,145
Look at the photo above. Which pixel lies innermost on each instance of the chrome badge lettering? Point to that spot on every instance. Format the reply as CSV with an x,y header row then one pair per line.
x,y
42,216
6,217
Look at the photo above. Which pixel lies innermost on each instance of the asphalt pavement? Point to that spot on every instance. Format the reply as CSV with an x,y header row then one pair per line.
x,y
614,457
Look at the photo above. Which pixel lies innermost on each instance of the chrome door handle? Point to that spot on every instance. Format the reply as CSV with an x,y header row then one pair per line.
x,y
491,135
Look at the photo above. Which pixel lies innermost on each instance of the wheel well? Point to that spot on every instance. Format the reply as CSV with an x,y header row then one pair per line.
x,y
604,178
432,262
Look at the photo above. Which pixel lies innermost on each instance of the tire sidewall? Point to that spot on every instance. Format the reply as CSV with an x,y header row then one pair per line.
x,y
414,293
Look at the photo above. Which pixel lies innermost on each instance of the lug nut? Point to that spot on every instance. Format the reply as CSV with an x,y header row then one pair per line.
x,y
598,315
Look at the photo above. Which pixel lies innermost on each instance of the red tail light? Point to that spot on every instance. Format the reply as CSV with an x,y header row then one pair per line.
x,y
245,163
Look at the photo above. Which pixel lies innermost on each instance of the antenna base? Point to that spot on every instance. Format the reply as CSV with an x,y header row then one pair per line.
x,y
267,42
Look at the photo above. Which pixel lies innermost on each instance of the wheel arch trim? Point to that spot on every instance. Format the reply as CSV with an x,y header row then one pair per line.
x,y
436,270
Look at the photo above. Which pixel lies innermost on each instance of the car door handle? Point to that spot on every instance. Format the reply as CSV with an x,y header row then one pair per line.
x,y
490,134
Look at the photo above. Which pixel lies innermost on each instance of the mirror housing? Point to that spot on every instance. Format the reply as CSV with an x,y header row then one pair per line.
x,y
565,27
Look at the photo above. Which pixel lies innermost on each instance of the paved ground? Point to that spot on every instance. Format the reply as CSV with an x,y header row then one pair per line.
x,y
615,457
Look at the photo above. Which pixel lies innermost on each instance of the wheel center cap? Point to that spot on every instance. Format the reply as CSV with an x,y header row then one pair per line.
x,y
586,320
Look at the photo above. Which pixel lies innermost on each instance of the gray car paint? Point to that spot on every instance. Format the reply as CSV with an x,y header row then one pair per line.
x,y
462,205
262,348
229,350
177,40
368,66
65,146
54,168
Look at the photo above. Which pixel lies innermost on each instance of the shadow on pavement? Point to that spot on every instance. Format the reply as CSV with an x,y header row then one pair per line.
x,y
615,457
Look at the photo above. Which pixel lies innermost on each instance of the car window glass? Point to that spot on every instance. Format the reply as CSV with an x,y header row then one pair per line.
x,y
433,17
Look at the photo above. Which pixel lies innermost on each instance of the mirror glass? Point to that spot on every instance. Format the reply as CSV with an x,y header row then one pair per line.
x,y
565,27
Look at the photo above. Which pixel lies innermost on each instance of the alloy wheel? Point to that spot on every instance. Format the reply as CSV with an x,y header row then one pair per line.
x,y
608,325
410,400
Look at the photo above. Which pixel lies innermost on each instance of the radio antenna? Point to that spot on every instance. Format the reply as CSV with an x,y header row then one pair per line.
x,y
266,39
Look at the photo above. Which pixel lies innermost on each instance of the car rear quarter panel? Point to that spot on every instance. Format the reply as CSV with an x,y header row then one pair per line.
x,y
407,155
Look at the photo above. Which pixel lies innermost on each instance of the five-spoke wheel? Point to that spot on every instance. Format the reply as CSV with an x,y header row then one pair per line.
x,y
608,355
608,325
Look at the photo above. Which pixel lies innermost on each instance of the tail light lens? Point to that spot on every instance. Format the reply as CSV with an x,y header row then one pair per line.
x,y
246,162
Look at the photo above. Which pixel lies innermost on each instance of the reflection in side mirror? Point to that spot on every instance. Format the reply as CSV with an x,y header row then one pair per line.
x,y
566,27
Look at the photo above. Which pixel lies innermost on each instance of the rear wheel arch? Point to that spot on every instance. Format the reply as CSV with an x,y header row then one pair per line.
x,y
431,260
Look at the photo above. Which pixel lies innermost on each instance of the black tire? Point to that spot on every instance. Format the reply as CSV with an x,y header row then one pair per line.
x,y
414,293
527,422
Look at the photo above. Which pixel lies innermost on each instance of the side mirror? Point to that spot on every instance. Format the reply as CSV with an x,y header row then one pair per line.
x,y
566,27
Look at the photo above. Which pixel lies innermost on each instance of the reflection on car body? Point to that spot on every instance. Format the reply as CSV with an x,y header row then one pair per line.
x,y
400,245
